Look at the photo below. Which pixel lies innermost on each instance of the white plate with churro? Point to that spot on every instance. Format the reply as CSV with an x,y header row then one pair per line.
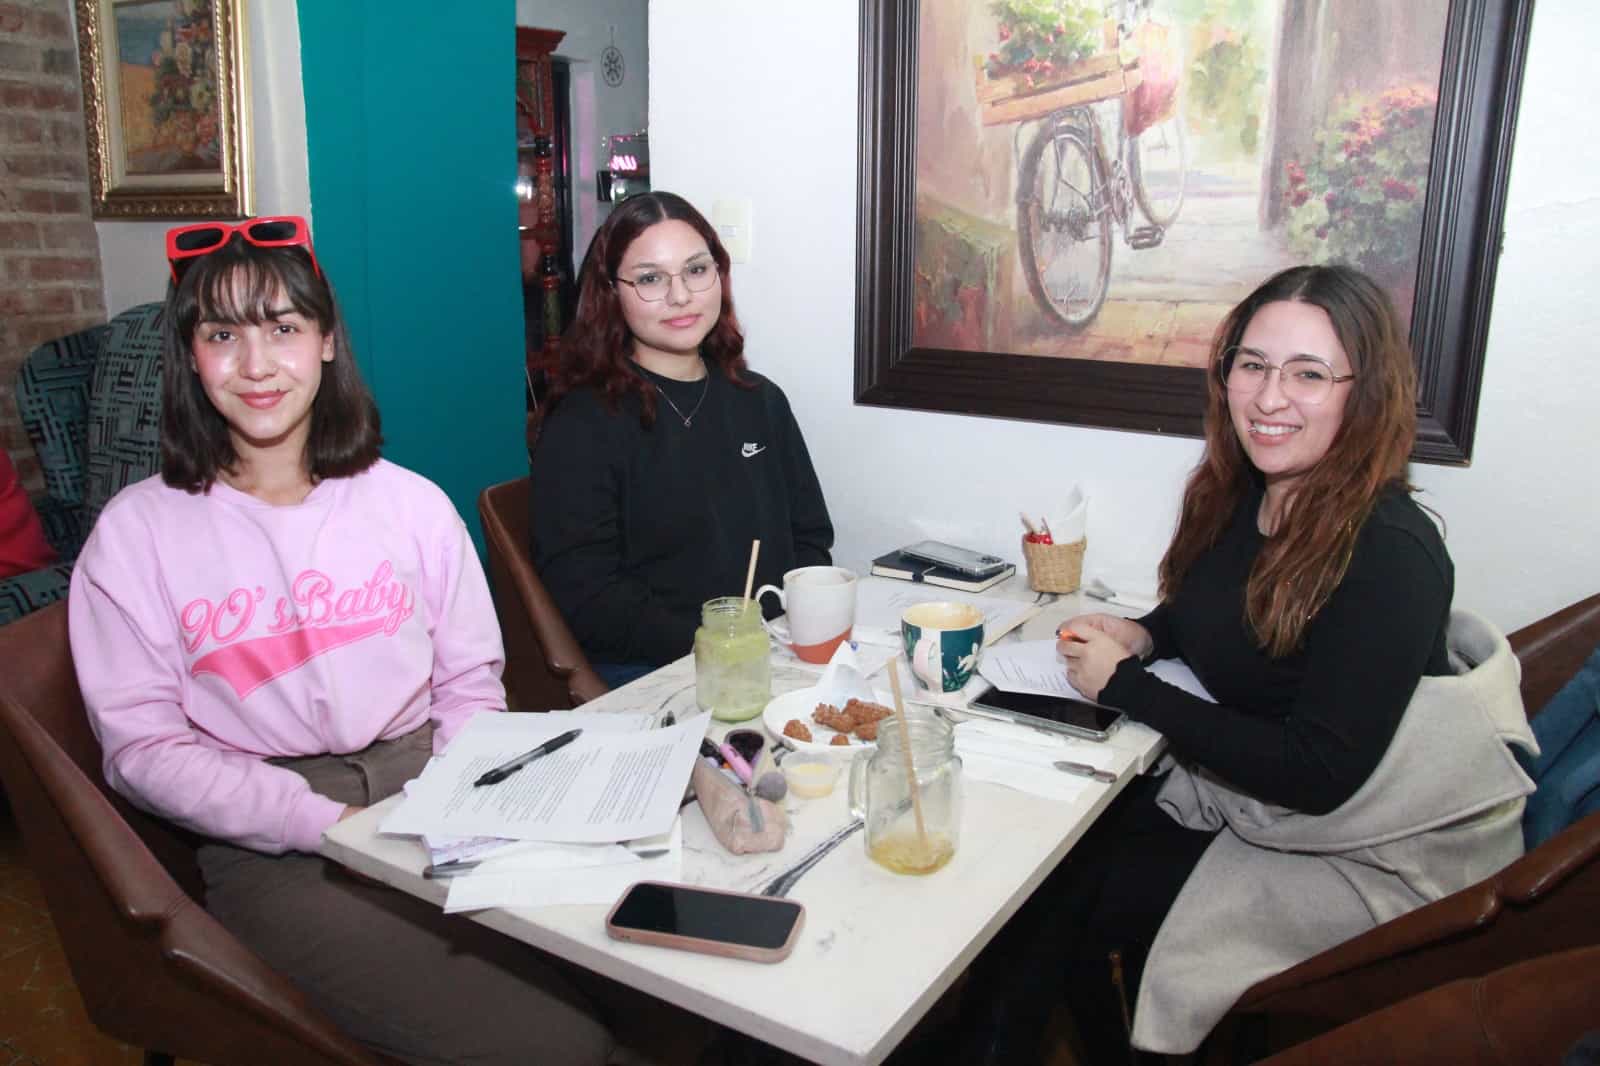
x,y
801,721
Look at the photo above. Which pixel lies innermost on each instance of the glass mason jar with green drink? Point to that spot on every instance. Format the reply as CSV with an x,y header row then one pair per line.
x,y
732,668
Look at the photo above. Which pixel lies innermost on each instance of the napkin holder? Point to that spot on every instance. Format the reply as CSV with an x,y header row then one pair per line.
x,y
1054,567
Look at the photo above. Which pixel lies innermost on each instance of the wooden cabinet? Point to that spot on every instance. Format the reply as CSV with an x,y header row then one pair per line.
x,y
538,221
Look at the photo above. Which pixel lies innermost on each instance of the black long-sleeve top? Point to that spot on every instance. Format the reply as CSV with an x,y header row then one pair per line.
x,y
634,528
1307,730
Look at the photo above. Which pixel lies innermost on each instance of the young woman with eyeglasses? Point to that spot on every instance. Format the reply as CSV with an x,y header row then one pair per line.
x,y
661,455
1312,597
279,630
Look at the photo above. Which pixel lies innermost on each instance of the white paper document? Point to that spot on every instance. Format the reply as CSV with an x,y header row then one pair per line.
x,y
1177,672
1028,666
872,650
880,601
1036,666
606,786
444,848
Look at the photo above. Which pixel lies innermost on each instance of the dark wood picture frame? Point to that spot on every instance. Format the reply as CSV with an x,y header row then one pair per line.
x,y
1485,50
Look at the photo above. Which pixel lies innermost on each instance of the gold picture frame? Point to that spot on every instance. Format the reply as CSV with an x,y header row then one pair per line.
x,y
166,103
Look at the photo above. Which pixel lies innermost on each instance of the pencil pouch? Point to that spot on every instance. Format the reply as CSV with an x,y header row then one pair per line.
x,y
741,822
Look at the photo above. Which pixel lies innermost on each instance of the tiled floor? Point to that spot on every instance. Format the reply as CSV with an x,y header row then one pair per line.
x,y
41,1017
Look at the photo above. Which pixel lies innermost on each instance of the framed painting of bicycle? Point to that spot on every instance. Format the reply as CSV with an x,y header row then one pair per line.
x,y
1060,199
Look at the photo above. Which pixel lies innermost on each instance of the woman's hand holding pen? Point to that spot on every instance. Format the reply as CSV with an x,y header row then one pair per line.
x,y
1093,645
1125,631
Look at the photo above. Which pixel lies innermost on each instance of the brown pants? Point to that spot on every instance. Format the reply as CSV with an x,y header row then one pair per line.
x,y
392,970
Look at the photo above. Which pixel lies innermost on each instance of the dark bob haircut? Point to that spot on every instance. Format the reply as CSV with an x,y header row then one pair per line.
x,y
240,283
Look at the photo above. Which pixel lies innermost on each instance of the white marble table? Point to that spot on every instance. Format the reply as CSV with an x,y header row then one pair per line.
x,y
877,949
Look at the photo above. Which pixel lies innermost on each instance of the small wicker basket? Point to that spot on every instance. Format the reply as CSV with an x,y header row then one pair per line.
x,y
1054,567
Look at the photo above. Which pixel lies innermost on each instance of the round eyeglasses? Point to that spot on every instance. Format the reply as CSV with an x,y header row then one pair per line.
x,y
1304,378
653,285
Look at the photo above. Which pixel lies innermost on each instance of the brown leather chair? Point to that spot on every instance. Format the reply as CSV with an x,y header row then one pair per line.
x,y
545,667
153,968
1534,1011
1546,902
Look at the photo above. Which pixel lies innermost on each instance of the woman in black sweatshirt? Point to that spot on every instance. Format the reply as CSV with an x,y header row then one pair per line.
x,y
661,455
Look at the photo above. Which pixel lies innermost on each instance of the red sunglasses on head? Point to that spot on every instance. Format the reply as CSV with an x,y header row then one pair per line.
x,y
203,238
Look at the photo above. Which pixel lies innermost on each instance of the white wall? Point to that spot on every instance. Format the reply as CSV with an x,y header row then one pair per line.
x,y
598,110
1521,520
133,254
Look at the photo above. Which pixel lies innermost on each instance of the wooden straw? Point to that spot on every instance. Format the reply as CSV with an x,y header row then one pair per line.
x,y
750,574
911,767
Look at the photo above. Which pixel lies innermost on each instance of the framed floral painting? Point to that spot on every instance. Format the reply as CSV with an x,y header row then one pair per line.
x,y
167,107
1059,200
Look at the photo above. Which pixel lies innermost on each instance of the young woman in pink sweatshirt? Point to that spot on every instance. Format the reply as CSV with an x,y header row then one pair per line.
x,y
279,630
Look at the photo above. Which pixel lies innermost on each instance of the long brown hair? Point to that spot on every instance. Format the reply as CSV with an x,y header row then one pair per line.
x,y
1307,555
238,283
598,347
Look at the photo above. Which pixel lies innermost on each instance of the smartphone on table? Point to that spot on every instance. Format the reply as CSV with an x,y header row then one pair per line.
x,y
962,560
707,920
1077,718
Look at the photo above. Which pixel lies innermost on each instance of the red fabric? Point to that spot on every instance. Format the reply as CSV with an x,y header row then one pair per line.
x,y
22,544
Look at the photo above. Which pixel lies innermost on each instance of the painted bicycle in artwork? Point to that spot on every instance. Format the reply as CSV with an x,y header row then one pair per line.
x,y
1094,90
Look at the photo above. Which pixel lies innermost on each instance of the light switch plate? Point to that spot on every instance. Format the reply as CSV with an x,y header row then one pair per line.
x,y
731,219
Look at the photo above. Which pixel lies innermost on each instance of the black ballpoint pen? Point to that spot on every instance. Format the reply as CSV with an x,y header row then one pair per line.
x,y
500,773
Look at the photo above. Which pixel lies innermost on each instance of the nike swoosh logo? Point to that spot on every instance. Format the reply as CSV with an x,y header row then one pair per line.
x,y
752,449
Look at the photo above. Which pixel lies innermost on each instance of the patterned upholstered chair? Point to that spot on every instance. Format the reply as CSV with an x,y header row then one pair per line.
x,y
91,404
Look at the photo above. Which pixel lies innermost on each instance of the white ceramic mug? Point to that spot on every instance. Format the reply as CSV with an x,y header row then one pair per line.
x,y
819,607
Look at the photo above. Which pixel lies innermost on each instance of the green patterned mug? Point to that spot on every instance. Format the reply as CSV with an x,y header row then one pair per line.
x,y
942,642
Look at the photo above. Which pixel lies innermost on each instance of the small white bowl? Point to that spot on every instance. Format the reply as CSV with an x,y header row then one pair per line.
x,y
810,775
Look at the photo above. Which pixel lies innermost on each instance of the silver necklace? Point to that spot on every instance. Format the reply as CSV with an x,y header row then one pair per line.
x,y
688,419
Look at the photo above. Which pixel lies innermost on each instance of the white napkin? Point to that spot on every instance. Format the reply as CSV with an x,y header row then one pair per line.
x,y
546,874
1069,522
1022,758
842,680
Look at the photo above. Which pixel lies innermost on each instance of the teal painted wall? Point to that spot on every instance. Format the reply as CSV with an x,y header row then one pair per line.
x,y
411,142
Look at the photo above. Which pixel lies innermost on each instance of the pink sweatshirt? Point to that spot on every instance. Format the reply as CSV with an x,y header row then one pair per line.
x,y
211,632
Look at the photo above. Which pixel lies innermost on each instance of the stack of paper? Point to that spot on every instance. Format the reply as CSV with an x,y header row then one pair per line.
x,y
574,826
1036,666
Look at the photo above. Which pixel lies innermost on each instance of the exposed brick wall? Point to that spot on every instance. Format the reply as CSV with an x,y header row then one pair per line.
x,y
50,280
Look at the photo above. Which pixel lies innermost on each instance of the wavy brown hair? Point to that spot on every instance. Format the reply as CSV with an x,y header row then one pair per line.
x,y
1306,557
240,282
597,350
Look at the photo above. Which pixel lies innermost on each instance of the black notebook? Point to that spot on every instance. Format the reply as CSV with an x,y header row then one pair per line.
x,y
905,568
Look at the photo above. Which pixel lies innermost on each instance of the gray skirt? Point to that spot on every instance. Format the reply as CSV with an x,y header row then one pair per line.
x,y
394,971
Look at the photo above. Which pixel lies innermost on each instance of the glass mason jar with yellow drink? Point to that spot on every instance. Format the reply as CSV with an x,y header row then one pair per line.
x,y
905,834
732,668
